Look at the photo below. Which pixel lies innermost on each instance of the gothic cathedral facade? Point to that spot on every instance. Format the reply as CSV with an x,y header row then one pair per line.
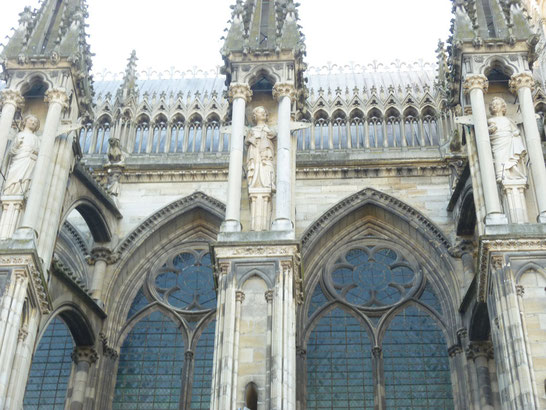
x,y
271,236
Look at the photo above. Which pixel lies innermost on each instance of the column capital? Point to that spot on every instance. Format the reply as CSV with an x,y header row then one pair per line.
x,y
281,90
240,90
269,296
240,296
520,80
57,95
86,354
475,81
12,97
479,349
101,253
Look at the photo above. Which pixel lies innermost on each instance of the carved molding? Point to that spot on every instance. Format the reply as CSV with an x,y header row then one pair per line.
x,y
108,351
12,97
23,333
180,206
476,81
255,251
57,96
281,90
415,218
238,90
521,80
454,350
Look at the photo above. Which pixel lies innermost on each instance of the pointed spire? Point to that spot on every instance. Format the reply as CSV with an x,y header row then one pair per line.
x,y
263,26
129,86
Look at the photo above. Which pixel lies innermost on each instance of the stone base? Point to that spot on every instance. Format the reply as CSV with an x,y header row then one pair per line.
x,y
541,219
496,219
230,226
514,192
282,225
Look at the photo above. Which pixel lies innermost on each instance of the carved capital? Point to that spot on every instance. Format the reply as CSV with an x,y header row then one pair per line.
x,y
12,97
475,81
23,333
269,296
497,262
301,352
521,80
101,253
281,90
238,90
57,96
520,290
454,350
107,350
240,296
377,352
479,349
188,355
84,354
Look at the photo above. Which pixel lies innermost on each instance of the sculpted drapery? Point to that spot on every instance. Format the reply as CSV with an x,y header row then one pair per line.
x,y
261,152
24,153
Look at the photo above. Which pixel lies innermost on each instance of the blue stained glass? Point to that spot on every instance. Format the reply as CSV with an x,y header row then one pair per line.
x,y
317,300
416,364
50,370
202,371
190,285
150,366
429,298
374,279
139,302
339,364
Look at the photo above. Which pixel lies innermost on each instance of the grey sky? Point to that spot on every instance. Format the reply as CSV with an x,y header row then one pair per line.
x,y
186,33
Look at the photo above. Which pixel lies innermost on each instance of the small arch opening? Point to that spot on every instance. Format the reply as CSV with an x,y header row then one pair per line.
x,y
251,396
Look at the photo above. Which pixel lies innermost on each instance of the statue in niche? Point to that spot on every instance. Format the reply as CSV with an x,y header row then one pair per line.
x,y
23,153
506,143
260,168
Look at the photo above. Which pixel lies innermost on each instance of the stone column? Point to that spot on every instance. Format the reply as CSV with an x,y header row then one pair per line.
x,y
11,101
58,101
83,357
23,359
513,367
11,210
284,93
475,85
240,94
100,257
522,84
514,190
11,324
479,352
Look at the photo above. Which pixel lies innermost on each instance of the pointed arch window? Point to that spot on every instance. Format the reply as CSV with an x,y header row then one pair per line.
x,y
177,135
374,335
375,130
86,135
166,357
212,138
195,134
321,129
357,130
50,371
430,128
412,132
339,131
159,136
103,135
141,136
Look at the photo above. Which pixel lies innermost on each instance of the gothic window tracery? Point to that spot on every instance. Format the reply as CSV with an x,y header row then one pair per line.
x,y
141,135
103,135
159,136
86,135
374,318
177,135
166,358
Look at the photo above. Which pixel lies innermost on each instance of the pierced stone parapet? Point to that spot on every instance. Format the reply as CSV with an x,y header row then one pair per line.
x,y
476,81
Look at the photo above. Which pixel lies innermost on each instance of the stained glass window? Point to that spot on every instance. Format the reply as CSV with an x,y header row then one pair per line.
x,y
416,363
50,370
202,372
150,365
339,364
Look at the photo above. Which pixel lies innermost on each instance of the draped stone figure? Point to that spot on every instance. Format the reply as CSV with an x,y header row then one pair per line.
x,y
23,153
506,143
260,170
261,152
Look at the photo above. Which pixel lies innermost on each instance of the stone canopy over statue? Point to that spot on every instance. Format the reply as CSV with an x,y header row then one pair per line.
x,y
506,143
23,153
260,169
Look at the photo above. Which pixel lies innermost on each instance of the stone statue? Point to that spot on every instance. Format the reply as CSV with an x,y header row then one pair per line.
x,y
23,153
506,143
115,154
260,166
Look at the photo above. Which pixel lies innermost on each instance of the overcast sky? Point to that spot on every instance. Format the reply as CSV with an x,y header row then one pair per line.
x,y
185,34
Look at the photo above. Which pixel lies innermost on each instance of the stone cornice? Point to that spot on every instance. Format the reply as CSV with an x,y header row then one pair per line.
x,y
475,81
521,80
